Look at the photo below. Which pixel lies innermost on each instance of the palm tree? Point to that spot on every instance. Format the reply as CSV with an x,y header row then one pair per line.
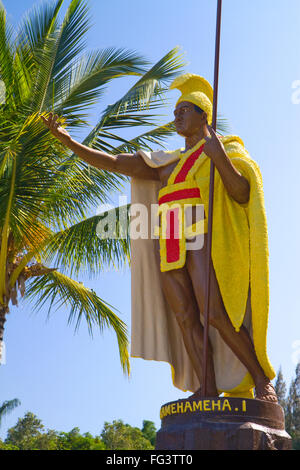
x,y
7,407
46,237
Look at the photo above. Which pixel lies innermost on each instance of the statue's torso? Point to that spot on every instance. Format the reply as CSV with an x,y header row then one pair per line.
x,y
164,174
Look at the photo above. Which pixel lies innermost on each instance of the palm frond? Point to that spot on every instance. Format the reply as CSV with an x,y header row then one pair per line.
x,y
26,164
7,407
150,86
106,141
48,186
72,35
5,231
6,60
145,95
146,140
84,82
59,49
78,188
82,247
35,27
60,290
37,24
223,126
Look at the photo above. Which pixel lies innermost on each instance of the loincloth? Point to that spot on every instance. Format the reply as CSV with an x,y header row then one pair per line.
x,y
177,223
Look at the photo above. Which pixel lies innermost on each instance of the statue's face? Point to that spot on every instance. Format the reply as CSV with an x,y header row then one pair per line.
x,y
187,120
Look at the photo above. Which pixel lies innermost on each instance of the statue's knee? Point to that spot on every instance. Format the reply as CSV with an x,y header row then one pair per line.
x,y
186,319
216,319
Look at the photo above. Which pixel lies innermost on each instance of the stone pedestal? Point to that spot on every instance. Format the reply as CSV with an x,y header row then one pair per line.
x,y
222,424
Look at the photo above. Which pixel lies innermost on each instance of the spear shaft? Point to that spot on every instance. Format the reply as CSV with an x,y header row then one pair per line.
x,y
211,197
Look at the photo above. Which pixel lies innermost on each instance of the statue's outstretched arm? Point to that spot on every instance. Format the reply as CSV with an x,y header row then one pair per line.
x,y
125,163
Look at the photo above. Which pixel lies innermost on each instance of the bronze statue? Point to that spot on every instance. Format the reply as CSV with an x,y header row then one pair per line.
x,y
183,286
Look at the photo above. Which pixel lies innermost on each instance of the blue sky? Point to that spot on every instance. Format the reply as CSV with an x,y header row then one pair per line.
x,y
72,380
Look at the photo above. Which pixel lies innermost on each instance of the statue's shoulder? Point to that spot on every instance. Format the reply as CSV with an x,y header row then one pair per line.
x,y
234,146
159,158
235,149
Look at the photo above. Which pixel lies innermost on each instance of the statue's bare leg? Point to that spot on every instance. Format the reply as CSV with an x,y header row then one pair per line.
x,y
178,291
239,342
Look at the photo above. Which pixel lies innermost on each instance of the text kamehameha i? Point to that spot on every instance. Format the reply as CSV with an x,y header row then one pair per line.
x,y
201,405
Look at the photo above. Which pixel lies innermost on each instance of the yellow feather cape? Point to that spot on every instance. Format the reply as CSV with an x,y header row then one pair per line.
x,y
240,245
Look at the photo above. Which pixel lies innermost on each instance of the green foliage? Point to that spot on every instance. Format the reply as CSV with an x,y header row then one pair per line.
x,y
280,388
293,410
149,431
120,436
4,446
73,440
291,405
7,407
29,434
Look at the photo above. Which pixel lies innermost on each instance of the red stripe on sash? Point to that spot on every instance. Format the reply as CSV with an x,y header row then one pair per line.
x,y
188,165
172,239
180,194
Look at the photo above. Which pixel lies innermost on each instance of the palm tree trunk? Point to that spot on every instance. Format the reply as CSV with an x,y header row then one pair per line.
x,y
3,311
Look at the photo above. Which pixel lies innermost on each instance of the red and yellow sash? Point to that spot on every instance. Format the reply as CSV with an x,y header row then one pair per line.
x,y
180,192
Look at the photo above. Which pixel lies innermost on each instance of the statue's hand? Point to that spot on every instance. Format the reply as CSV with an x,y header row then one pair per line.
x,y
55,128
213,147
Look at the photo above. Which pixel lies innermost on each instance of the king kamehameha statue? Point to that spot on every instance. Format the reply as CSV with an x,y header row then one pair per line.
x,y
168,278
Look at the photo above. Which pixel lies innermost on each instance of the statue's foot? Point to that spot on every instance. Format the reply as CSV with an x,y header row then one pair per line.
x,y
265,391
198,394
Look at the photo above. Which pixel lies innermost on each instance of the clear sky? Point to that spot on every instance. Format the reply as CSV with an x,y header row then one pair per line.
x,y
72,380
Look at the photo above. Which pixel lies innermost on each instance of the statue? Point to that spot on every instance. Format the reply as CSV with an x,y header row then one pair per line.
x,y
168,278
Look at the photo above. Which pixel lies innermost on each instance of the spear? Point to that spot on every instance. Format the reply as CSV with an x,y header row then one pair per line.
x,y
211,197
